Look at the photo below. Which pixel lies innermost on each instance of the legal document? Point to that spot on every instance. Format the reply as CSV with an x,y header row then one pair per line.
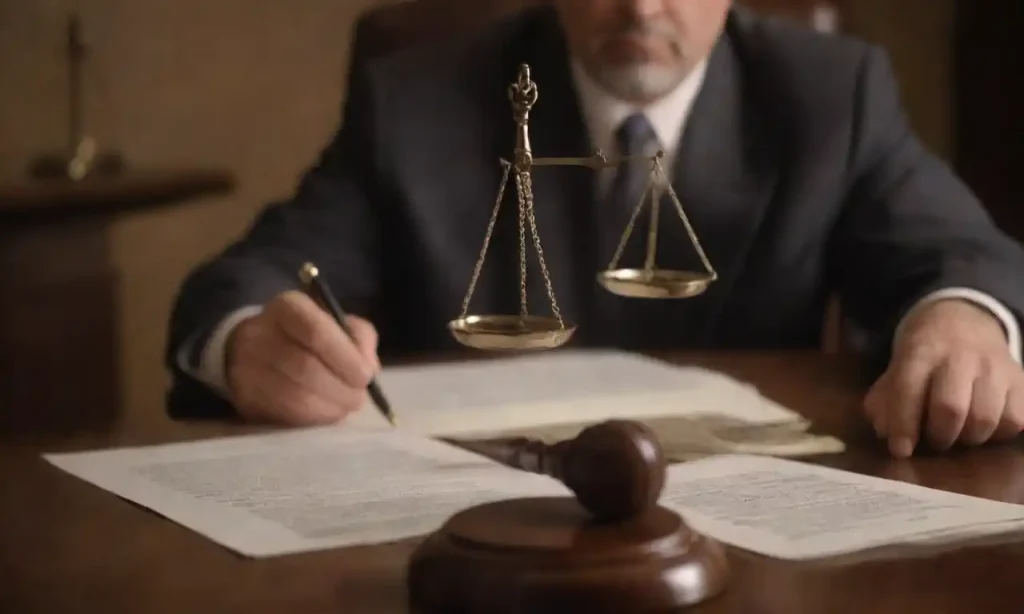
x,y
314,489
555,387
297,491
553,395
565,387
794,510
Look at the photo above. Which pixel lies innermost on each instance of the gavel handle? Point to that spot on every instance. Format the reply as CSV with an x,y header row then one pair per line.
x,y
522,453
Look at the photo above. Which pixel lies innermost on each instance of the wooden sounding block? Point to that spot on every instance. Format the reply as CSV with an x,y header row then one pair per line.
x,y
610,549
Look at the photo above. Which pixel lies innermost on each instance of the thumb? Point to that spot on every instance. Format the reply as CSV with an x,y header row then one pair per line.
x,y
364,334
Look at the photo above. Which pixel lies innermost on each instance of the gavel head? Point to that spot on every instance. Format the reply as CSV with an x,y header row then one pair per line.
x,y
615,468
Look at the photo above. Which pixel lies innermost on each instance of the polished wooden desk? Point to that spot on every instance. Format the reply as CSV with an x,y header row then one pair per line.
x,y
68,547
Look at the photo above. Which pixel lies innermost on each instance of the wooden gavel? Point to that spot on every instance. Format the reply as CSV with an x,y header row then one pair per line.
x,y
616,469
611,549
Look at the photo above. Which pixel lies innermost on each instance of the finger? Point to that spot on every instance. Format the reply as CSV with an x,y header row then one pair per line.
x,y
267,394
874,406
1012,422
905,404
313,328
365,337
987,404
949,400
272,348
304,370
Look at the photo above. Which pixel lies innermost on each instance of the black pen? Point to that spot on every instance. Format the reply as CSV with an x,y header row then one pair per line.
x,y
310,277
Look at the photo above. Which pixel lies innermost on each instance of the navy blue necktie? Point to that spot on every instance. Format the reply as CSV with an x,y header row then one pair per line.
x,y
635,137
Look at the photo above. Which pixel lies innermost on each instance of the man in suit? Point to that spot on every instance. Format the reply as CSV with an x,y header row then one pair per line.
x,y
788,148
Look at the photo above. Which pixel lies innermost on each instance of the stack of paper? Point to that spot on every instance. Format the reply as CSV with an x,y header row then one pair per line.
x,y
330,487
690,437
553,395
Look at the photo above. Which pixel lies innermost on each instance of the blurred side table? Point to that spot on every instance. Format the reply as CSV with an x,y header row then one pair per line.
x,y
59,338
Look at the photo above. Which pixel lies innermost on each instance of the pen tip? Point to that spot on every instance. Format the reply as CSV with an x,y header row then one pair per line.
x,y
308,272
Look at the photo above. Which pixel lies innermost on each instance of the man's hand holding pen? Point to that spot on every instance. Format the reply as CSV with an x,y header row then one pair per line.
x,y
292,364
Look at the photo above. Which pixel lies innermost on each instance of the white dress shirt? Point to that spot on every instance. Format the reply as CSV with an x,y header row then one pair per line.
x,y
602,114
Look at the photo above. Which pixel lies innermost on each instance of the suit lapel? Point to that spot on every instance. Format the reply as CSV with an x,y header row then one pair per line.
x,y
724,174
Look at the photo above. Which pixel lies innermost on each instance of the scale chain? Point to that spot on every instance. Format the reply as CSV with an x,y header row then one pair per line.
x,y
525,183
524,187
523,307
629,225
487,238
657,182
686,221
652,232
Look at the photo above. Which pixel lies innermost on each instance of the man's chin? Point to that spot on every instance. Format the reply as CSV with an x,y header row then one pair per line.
x,y
629,51
638,82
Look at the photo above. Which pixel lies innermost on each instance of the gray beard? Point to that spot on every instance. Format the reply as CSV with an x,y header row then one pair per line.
x,y
639,82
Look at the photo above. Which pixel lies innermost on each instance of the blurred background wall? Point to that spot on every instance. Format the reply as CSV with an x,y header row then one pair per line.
x,y
255,86
250,85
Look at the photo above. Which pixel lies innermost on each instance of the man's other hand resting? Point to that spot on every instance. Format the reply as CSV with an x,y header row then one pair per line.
x,y
951,380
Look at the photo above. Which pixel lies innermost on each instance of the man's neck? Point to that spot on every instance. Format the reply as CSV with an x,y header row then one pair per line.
x,y
603,111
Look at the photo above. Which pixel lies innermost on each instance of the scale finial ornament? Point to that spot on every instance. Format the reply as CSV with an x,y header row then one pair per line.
x,y
523,94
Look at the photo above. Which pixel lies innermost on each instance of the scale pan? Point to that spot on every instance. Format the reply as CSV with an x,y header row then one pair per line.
x,y
510,332
655,283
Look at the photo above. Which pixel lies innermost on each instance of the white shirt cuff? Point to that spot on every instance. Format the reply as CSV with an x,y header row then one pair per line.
x,y
997,309
211,362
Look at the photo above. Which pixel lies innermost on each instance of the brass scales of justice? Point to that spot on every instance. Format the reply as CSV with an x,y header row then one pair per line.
x,y
528,332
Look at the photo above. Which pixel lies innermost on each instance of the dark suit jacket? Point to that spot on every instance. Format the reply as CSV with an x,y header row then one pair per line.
x,y
797,169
